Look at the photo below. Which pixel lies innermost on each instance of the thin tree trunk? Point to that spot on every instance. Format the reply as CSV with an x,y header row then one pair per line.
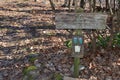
x,y
110,8
90,5
94,41
106,5
114,6
52,5
69,4
76,5
100,3
94,4
82,3
111,32
118,17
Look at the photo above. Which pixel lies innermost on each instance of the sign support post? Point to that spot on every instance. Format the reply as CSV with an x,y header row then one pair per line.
x,y
76,66
77,59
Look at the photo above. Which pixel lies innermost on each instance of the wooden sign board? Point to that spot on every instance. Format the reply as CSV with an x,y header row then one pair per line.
x,y
80,21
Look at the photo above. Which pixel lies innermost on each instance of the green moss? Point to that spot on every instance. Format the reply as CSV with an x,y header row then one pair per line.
x,y
58,77
32,59
28,69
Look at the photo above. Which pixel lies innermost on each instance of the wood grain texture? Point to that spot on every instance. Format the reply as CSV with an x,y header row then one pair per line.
x,y
80,21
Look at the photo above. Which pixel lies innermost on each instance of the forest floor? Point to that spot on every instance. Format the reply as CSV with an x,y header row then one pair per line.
x,y
26,41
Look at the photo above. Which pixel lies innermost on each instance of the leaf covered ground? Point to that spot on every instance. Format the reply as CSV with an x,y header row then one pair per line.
x,y
26,50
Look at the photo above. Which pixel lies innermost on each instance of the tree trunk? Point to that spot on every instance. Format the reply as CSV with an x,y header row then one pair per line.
x,y
90,5
35,0
118,17
114,6
111,32
69,4
52,5
106,5
82,3
94,41
94,4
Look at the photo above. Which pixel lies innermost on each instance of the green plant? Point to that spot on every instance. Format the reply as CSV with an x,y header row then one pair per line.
x,y
103,42
58,77
68,43
32,59
28,78
28,69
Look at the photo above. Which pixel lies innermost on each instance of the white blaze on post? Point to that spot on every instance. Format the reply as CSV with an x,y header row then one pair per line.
x,y
77,49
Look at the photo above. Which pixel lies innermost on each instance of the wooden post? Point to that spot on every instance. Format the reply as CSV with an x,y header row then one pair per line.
x,y
76,67
77,59
94,41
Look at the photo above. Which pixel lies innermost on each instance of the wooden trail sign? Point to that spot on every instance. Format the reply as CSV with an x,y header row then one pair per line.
x,y
80,21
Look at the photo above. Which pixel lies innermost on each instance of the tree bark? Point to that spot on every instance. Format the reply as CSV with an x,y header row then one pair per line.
x,y
69,4
118,17
82,2
106,5
90,5
35,0
52,5
94,4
